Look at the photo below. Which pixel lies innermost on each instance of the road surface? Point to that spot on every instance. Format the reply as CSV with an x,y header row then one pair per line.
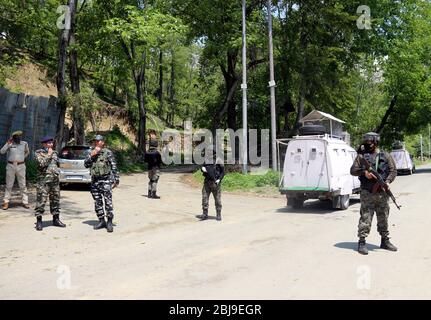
x,y
261,249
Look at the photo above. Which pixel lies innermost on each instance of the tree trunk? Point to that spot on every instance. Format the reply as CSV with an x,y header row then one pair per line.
x,y
231,81
171,113
160,83
303,76
61,85
142,116
78,118
387,114
301,104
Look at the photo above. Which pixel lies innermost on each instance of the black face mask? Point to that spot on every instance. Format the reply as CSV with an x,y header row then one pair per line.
x,y
368,147
17,140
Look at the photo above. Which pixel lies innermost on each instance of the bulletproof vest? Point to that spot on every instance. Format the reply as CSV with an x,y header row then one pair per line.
x,y
382,168
213,172
102,166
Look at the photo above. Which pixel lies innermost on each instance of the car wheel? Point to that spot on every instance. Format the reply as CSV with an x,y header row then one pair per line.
x,y
296,202
341,202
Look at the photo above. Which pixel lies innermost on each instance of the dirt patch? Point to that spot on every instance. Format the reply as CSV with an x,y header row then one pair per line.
x,y
32,79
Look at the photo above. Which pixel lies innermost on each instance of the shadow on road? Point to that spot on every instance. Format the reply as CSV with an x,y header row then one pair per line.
x,y
209,217
422,170
316,207
354,246
76,187
91,222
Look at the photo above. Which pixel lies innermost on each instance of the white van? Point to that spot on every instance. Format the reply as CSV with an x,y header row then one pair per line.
x,y
317,163
403,159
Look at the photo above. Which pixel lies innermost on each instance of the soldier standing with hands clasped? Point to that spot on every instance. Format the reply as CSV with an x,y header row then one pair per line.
x,y
213,171
17,150
104,178
373,198
48,183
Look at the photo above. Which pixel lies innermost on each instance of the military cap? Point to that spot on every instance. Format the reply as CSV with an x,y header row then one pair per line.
x,y
17,133
46,139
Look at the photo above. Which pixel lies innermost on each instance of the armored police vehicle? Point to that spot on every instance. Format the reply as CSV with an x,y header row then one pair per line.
x,y
317,163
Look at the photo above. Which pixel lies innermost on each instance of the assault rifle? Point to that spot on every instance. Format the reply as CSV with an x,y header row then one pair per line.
x,y
380,184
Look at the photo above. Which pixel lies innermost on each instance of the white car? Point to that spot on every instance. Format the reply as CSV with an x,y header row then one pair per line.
x,y
72,169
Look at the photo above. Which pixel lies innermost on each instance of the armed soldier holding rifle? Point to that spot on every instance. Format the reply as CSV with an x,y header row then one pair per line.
x,y
376,170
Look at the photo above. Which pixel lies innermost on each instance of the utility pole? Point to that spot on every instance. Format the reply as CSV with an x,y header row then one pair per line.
x,y
272,90
422,153
244,91
429,142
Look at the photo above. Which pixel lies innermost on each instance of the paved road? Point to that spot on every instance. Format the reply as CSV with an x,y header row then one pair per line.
x,y
261,249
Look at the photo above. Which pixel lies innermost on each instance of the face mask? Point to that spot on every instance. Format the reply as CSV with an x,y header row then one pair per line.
x,y
369,147
17,140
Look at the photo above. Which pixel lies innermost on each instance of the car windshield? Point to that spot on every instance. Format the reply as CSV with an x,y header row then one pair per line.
x,y
74,152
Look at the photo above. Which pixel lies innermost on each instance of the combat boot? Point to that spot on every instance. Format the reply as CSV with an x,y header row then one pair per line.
x,y
39,223
109,225
204,215
218,217
387,245
150,194
5,205
155,196
362,246
56,221
101,224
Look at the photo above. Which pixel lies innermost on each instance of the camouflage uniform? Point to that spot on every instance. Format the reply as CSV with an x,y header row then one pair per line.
x,y
379,201
104,174
154,160
212,173
48,182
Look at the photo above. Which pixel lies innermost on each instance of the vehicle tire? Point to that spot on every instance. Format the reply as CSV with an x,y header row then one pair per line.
x,y
341,202
344,202
296,202
312,130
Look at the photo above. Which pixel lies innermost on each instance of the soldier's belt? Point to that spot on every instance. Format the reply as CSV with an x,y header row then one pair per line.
x,y
16,162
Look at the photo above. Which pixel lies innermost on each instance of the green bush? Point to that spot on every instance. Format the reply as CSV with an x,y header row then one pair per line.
x,y
238,181
31,172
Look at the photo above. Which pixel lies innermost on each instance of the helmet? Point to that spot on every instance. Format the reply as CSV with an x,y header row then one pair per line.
x,y
371,136
99,137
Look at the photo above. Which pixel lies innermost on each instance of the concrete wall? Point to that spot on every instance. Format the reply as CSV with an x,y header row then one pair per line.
x,y
35,116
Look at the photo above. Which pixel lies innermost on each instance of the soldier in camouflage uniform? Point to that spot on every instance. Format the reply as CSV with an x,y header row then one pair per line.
x,y
48,183
213,171
378,201
154,160
104,178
